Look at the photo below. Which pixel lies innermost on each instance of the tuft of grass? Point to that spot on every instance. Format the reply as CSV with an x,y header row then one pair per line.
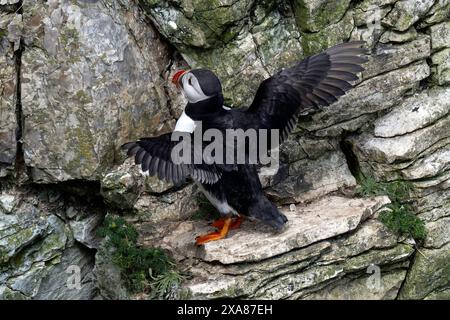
x,y
400,217
397,191
368,187
166,284
205,211
141,268
402,220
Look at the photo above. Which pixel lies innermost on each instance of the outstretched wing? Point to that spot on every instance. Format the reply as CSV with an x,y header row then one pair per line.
x,y
155,156
316,81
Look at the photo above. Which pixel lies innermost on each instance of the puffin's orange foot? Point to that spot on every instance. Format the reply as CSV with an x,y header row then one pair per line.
x,y
215,235
208,237
235,224
218,223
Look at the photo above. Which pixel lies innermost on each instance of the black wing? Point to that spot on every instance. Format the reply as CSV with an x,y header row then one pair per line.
x,y
316,81
155,156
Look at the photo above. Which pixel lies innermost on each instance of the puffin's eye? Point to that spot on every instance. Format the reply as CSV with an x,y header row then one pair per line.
x,y
190,81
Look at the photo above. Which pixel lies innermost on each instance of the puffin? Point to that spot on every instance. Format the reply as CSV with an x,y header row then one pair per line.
x,y
234,189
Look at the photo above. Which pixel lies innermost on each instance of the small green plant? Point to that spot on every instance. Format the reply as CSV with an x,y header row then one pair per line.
x,y
164,284
399,217
368,187
397,191
402,220
141,267
205,210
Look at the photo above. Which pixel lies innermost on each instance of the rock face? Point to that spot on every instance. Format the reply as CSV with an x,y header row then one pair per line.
x,y
100,76
79,78
38,250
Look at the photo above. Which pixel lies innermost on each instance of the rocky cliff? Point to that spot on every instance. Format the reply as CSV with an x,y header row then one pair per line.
x,y
79,78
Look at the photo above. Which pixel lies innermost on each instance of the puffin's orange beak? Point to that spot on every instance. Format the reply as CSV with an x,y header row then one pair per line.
x,y
177,76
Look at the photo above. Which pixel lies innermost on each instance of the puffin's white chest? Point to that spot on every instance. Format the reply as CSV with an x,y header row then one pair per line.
x,y
185,124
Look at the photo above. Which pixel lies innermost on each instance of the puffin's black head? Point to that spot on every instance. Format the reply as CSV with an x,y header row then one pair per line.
x,y
198,84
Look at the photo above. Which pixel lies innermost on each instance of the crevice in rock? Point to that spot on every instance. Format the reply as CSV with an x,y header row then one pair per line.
x,y
411,259
165,75
144,8
19,166
20,161
433,193
173,54
407,163
258,55
87,191
438,145
48,286
336,124
443,174
427,82
384,73
220,5
350,156
429,124
11,8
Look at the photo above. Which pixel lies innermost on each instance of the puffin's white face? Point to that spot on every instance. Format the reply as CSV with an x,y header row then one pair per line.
x,y
191,88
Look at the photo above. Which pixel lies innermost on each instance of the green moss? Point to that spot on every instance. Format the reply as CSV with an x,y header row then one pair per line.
x,y
439,295
315,19
69,39
148,3
404,21
83,97
53,243
14,241
103,56
400,217
9,294
86,157
142,269
339,32
21,237
69,36
219,23
302,15
3,257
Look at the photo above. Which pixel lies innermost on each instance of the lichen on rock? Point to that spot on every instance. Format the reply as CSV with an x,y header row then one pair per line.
x,y
8,85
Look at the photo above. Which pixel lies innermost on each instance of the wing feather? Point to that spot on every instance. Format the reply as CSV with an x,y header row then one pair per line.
x,y
155,156
314,82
